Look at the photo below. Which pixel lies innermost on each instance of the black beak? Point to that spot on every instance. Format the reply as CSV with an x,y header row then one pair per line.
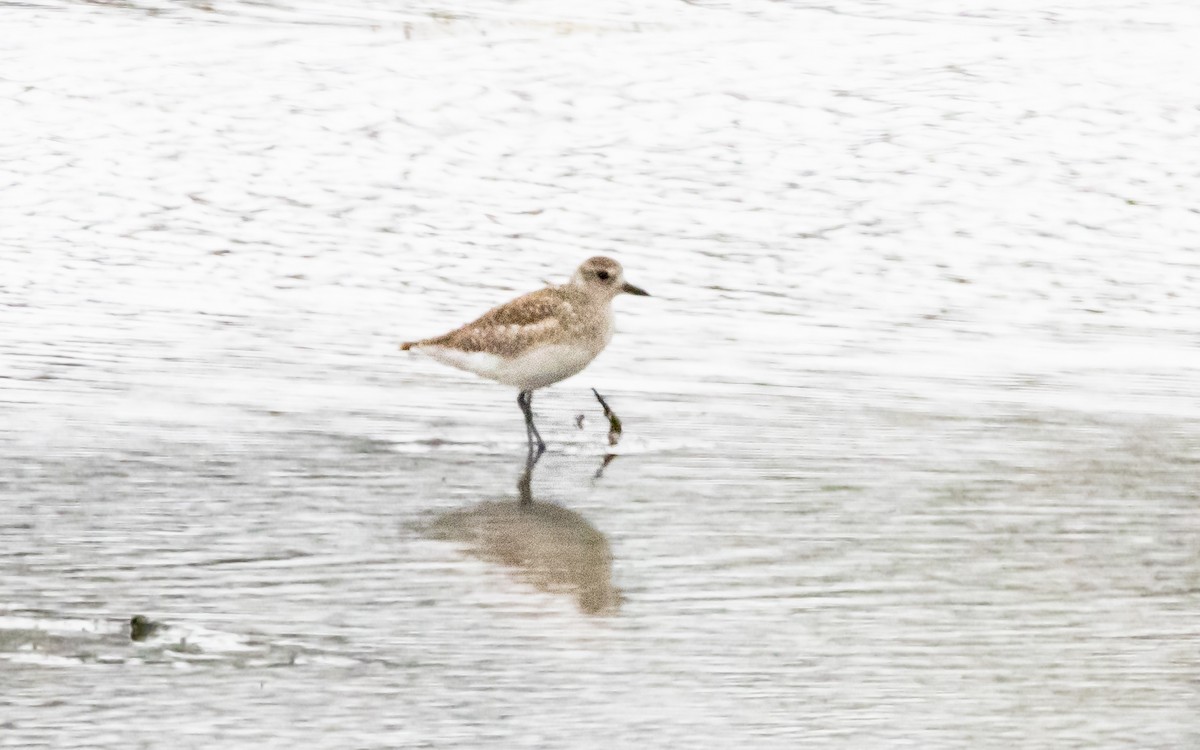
x,y
631,289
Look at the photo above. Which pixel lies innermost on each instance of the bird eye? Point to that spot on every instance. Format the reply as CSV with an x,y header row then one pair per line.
x,y
602,275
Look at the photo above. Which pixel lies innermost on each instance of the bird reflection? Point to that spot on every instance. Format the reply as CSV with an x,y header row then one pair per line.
x,y
553,548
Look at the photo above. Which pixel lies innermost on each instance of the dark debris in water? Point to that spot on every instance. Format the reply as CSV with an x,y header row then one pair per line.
x,y
142,627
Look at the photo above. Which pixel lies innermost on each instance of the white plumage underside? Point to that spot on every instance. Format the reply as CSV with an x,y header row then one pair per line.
x,y
536,368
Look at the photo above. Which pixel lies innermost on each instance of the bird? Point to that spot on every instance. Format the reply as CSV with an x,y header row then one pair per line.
x,y
539,338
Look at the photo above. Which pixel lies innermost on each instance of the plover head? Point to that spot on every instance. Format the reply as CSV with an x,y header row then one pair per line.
x,y
603,276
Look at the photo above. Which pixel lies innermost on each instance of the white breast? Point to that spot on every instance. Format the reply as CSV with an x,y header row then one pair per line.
x,y
541,366
538,367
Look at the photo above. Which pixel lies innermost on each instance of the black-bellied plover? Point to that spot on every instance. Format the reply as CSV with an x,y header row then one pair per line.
x,y
539,338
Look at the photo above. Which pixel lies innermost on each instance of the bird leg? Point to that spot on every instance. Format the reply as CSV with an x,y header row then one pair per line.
x,y
525,401
614,423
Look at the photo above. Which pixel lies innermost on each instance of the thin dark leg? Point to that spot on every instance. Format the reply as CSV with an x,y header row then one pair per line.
x,y
614,422
533,427
525,410
525,401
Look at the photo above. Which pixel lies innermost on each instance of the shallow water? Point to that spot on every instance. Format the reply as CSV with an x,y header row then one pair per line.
x,y
911,431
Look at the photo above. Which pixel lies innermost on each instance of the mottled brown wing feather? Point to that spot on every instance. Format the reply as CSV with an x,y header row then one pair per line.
x,y
509,329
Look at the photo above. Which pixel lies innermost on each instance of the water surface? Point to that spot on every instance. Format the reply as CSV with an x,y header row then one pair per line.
x,y
911,431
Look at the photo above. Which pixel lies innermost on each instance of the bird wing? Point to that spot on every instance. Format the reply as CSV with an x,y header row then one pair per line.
x,y
511,328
